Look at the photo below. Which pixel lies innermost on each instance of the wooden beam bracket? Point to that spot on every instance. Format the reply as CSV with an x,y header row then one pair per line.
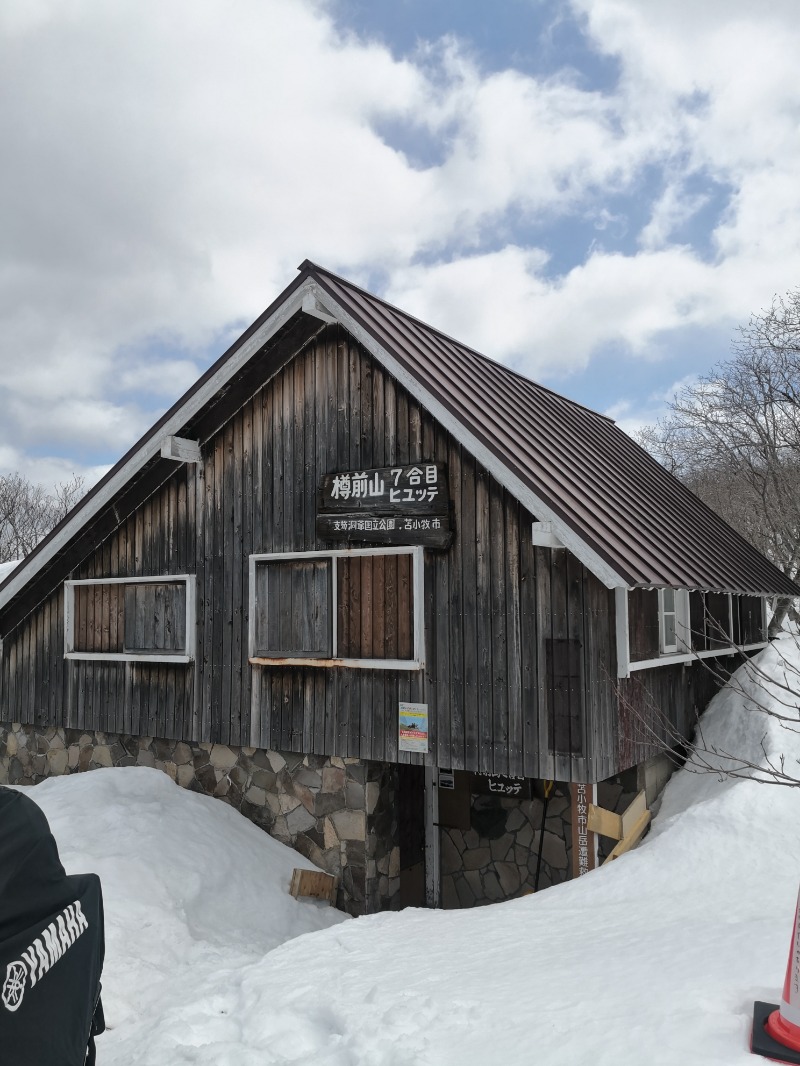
x,y
181,450
626,828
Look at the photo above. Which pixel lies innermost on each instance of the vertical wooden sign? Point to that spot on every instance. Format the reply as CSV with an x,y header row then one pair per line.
x,y
584,843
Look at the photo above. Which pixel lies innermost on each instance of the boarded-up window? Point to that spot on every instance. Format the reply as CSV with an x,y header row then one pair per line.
x,y
718,620
98,620
293,609
697,620
643,624
359,605
375,607
748,620
710,620
564,683
155,618
123,619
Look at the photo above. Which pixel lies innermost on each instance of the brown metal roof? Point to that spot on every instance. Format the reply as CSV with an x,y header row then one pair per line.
x,y
648,527
633,516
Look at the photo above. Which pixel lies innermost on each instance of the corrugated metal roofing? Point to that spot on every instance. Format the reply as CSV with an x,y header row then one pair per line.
x,y
615,497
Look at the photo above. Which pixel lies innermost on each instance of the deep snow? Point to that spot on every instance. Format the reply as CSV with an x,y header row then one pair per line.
x,y
654,959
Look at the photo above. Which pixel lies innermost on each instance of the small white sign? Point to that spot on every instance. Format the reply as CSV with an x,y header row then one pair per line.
x,y
447,779
413,727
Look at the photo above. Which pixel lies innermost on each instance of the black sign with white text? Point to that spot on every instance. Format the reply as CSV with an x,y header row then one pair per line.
x,y
432,532
417,489
387,505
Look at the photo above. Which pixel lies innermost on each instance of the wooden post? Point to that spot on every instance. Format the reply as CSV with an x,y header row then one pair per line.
x,y
432,851
623,633
584,842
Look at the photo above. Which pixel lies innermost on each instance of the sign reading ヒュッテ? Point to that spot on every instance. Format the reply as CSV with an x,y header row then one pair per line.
x,y
500,785
387,505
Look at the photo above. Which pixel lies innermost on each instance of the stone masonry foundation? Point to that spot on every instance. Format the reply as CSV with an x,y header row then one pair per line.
x,y
495,859
339,813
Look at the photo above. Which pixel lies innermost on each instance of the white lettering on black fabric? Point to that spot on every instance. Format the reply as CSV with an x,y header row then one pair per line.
x,y
45,951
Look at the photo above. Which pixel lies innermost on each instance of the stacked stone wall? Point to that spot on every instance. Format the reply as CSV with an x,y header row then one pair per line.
x,y
339,813
495,859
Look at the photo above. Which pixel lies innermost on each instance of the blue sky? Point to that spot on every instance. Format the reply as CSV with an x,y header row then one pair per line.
x,y
597,192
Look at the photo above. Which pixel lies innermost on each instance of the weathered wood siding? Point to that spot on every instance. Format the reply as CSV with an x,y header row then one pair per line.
x,y
520,671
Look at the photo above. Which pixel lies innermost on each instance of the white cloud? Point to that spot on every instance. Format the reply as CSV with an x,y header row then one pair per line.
x,y
48,470
169,165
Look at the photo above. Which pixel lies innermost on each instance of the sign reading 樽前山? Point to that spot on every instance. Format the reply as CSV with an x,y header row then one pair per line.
x,y
417,489
387,505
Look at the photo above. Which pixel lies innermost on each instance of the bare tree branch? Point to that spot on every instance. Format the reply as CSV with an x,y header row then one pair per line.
x,y
733,437
28,512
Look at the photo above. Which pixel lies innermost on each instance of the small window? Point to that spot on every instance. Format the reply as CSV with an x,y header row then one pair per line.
x,y
359,607
292,616
715,620
718,620
668,620
126,619
748,624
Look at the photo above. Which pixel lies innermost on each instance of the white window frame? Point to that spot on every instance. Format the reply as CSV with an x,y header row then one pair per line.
x,y
625,667
663,647
681,612
417,582
186,656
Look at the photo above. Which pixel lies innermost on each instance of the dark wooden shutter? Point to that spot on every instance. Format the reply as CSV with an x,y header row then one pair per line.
x,y
375,607
98,618
293,609
155,618
697,620
564,683
643,624
718,622
751,619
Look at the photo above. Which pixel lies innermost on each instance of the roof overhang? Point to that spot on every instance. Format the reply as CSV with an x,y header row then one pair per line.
x,y
307,295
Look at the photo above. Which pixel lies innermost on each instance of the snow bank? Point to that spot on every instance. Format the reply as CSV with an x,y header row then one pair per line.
x,y
193,893
657,958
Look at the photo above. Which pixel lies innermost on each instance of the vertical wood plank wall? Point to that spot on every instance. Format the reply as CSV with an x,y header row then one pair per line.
x,y
492,601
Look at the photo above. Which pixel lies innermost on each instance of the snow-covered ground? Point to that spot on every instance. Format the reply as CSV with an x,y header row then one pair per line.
x,y
654,959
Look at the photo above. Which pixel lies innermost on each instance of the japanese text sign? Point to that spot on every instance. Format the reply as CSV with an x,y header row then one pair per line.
x,y
419,489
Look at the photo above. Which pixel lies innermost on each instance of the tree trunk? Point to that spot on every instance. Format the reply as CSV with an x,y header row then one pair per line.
x,y
780,610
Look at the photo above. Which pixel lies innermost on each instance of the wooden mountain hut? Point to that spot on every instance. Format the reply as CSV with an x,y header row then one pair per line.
x,y
413,613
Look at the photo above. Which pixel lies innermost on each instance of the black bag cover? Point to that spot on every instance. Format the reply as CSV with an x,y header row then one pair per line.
x,y
51,944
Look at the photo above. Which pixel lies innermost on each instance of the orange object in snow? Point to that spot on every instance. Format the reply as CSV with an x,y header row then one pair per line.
x,y
776,1029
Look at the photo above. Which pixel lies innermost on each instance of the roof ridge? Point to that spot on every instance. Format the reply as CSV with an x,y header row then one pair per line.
x,y
308,266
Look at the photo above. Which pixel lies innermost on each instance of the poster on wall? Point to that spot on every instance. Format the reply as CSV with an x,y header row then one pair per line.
x,y
413,727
